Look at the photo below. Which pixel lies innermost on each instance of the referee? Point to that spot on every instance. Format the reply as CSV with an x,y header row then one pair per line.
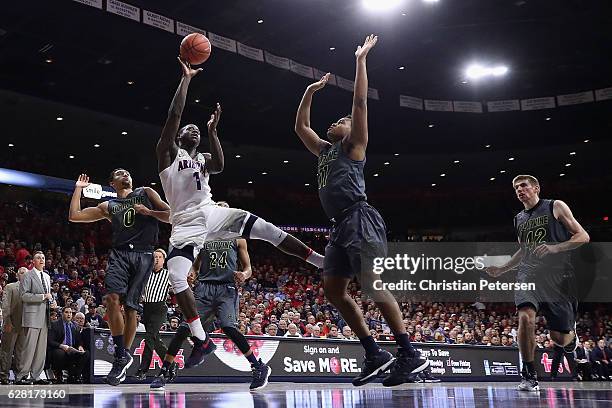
x,y
154,314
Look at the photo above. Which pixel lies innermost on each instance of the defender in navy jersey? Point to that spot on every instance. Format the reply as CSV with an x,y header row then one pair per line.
x,y
134,215
359,232
546,231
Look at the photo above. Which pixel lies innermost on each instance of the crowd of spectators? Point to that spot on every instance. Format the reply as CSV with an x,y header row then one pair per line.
x,y
282,298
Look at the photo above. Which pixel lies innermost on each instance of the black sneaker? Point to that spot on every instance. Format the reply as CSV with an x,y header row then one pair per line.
x,y
415,378
373,366
260,376
172,372
529,382
404,366
140,375
159,382
200,350
426,376
573,345
117,374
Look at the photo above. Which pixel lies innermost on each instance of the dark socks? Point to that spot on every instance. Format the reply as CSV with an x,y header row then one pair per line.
x,y
253,360
528,365
369,344
403,341
119,346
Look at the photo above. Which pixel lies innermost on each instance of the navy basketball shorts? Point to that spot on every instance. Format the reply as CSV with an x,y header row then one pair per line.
x,y
127,273
354,241
218,300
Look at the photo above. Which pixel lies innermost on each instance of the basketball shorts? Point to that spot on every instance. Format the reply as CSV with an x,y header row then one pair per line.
x,y
218,300
206,223
127,273
356,238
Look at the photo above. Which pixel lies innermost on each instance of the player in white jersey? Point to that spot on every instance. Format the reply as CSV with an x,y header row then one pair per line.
x,y
184,175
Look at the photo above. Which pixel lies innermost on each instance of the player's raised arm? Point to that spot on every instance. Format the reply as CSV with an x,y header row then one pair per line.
x,y
215,161
358,138
91,214
302,120
166,146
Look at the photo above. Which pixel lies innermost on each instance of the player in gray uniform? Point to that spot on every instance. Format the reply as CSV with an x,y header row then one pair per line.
x,y
546,231
216,279
358,233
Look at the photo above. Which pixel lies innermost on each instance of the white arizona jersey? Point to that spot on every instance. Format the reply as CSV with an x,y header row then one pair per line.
x,y
185,185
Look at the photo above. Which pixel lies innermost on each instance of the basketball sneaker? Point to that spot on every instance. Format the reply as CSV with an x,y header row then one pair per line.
x,y
372,366
405,365
529,382
260,376
200,350
120,365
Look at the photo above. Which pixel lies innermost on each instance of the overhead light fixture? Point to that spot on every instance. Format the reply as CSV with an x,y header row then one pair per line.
x,y
197,101
511,159
572,153
562,174
431,125
11,145
71,157
404,14
548,118
396,154
430,1
48,60
237,156
153,183
285,161
502,171
96,145
492,179
487,146
464,82
250,181
124,133
59,118
332,48
402,68
433,184
263,173
443,175
386,163
456,161
260,21
568,164
477,71
130,82
586,140
375,174
381,5
306,184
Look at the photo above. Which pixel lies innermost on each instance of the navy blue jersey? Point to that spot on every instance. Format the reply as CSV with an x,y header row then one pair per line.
x,y
535,227
341,180
219,261
131,229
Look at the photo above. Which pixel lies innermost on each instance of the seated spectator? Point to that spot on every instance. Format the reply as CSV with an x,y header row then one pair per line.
x,y
140,327
255,329
333,332
292,331
272,330
583,365
94,319
316,332
601,360
282,327
65,348
174,324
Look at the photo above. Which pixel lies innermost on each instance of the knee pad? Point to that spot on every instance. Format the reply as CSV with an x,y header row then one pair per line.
x,y
238,339
178,269
265,231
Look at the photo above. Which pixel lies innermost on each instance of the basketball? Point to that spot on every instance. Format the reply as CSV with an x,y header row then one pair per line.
x,y
195,48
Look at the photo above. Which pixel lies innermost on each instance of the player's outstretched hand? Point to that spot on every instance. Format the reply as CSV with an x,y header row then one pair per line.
x,y
188,72
320,84
214,118
239,277
368,44
82,181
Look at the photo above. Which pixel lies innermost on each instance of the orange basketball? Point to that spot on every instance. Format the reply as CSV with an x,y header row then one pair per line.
x,y
195,48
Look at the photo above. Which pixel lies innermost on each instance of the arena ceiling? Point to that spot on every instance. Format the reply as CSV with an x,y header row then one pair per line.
x,y
105,74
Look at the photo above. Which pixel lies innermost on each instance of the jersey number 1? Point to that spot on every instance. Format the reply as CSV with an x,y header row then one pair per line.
x,y
196,175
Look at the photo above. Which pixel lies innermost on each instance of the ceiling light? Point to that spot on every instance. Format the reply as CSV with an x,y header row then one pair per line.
x,y
568,164
487,146
396,154
562,174
375,174
11,145
285,161
433,184
306,184
511,159
197,101
477,71
380,5
456,161
572,153
124,133
71,157
332,48
443,175
96,145
259,21
403,14
130,82
250,181
153,183
386,163
48,60
431,125
237,156
548,118
586,140
402,68
502,171
430,1
492,179
464,82
263,173
59,118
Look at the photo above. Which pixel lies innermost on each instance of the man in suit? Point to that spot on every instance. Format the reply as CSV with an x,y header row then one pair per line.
x,y
12,337
65,348
36,298
583,365
601,360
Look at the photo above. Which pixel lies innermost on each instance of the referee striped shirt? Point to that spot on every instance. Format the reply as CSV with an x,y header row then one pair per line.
x,y
157,287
